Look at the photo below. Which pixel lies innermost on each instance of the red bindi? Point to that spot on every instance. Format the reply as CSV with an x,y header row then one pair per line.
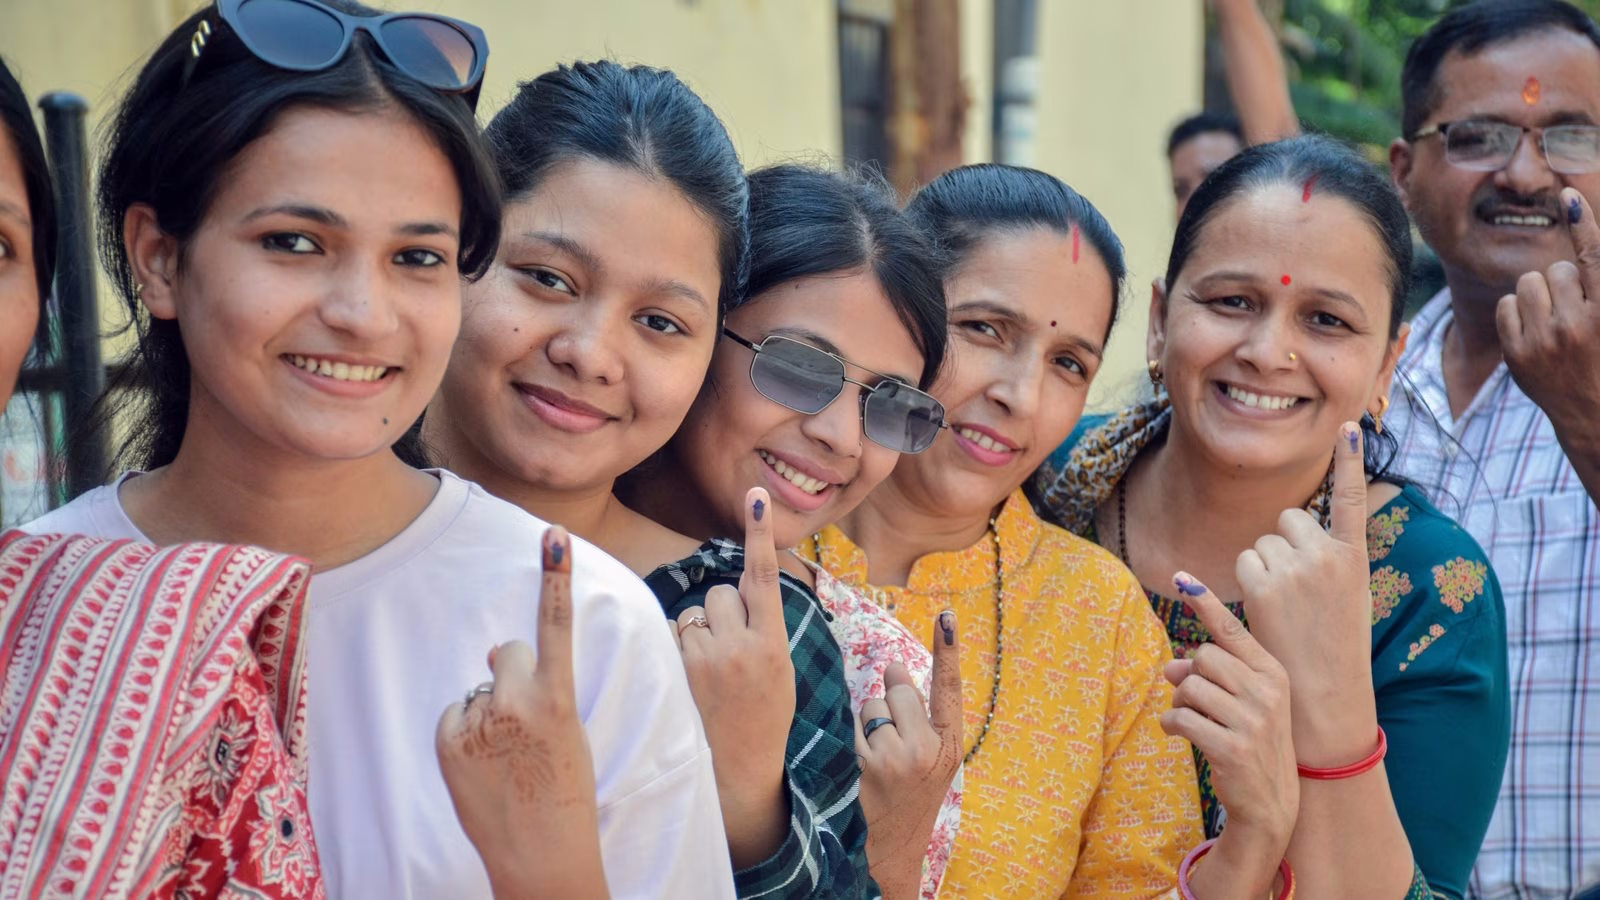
x,y
1052,323
1305,195
1530,91
1077,237
1287,280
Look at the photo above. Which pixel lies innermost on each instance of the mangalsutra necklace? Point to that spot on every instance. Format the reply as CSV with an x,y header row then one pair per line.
x,y
999,629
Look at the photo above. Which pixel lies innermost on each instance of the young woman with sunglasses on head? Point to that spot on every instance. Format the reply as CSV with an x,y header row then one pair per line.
x,y
809,396
109,787
1276,329
289,230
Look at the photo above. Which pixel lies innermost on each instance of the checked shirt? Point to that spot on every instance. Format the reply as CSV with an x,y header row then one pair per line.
x,y
824,854
1500,472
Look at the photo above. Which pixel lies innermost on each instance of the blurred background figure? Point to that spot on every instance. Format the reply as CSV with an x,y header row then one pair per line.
x,y
1256,89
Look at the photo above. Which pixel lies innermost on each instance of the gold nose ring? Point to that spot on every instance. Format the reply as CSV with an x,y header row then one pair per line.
x,y
1293,356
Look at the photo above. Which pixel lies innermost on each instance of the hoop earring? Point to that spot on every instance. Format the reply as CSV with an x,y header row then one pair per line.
x,y
1156,378
1383,407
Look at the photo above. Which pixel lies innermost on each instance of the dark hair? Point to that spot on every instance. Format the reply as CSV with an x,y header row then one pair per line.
x,y
806,221
17,117
1202,123
1329,167
966,204
171,143
1469,29
639,118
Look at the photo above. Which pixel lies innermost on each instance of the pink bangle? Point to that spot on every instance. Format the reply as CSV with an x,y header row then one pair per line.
x,y
1355,768
1193,859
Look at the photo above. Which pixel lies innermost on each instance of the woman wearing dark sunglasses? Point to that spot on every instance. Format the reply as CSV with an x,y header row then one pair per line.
x,y
289,233
812,394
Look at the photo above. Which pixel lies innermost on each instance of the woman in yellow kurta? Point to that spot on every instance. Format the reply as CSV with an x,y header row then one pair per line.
x,y
1072,789
1074,783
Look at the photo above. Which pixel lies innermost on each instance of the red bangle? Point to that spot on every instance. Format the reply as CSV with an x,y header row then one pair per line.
x,y
1355,768
1189,862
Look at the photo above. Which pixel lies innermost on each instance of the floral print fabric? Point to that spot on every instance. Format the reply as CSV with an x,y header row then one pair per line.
x,y
871,638
152,721
1075,792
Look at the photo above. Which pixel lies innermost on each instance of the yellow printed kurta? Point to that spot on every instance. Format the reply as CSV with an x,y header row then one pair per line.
x,y
1076,792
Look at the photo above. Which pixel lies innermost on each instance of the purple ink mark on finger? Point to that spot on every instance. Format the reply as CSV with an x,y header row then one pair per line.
x,y
1189,586
759,508
557,552
1574,211
947,624
1355,440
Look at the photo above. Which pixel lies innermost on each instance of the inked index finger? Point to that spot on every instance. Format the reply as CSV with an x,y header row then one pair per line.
x,y
758,583
1225,628
944,696
555,609
1585,233
1349,513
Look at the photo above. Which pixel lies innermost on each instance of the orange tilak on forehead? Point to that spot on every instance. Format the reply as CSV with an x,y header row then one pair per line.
x,y
1530,91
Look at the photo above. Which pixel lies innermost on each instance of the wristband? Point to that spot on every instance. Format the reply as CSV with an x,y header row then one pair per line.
x,y
1352,770
1193,859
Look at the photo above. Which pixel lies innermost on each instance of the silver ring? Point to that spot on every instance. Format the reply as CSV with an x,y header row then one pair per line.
x,y
874,724
481,690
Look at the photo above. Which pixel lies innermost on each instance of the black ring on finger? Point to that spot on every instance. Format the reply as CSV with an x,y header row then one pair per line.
x,y
874,724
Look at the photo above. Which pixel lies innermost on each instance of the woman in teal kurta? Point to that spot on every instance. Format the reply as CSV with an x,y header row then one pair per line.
x,y
1438,643
1273,339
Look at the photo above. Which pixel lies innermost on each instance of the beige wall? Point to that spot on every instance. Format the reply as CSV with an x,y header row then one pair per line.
x,y
1114,75
768,67
1113,78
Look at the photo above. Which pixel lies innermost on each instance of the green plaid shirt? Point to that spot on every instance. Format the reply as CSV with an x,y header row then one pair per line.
x,y
825,852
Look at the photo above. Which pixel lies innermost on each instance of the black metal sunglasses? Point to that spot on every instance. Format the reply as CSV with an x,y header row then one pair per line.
x,y
445,54
806,379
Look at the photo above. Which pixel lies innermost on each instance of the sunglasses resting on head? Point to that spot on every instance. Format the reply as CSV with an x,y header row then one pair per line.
x,y
445,54
806,379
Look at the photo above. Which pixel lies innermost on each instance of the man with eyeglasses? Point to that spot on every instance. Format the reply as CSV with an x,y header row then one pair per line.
x,y
1500,416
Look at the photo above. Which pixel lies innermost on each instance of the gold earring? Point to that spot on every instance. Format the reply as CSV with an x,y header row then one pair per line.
x,y
1156,377
1383,407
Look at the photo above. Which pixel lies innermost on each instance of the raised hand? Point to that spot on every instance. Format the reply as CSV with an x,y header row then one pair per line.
x,y
907,763
1231,700
1550,335
736,654
1307,598
516,761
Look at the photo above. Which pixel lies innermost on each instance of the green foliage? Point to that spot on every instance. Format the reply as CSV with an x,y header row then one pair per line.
x,y
1345,57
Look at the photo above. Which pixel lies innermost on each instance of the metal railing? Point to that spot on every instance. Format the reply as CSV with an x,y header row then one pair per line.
x,y
67,375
